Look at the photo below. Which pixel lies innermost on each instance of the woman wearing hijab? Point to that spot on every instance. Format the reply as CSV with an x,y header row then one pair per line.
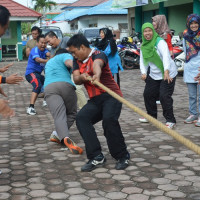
x,y
191,45
161,27
161,80
109,47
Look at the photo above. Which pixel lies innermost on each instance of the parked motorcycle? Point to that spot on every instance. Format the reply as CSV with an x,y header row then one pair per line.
x,y
129,51
179,57
179,62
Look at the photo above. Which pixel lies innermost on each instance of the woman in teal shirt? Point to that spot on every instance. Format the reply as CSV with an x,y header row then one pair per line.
x,y
59,91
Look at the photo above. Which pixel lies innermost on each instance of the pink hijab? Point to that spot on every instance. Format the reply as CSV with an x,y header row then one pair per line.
x,y
162,26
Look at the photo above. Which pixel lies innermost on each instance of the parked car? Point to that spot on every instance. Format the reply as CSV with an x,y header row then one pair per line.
x,y
55,29
90,33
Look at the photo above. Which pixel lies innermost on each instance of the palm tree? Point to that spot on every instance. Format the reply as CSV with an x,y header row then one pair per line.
x,y
43,5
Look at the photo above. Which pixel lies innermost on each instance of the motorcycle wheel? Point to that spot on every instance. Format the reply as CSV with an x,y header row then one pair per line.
x,y
132,65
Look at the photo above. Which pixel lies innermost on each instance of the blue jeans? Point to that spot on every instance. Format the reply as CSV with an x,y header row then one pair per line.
x,y
193,90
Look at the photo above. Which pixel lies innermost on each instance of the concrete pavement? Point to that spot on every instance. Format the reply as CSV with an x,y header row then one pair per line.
x,y
37,169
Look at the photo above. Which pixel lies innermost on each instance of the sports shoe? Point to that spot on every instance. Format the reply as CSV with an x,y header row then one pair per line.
x,y
170,125
72,146
158,102
143,120
54,137
198,122
191,119
94,163
44,103
122,163
31,111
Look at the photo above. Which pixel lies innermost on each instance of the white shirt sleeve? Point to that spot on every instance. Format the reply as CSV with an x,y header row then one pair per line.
x,y
143,68
164,53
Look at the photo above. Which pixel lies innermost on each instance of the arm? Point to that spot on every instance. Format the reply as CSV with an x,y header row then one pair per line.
x,y
69,63
5,68
79,78
14,79
97,66
143,68
166,58
28,50
41,60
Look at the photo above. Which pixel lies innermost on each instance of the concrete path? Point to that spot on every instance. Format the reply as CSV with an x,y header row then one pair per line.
x,y
37,169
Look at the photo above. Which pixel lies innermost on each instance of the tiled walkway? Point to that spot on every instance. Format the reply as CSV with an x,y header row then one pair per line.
x,y
37,169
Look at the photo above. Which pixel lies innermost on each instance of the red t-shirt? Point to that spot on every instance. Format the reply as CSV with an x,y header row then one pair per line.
x,y
106,76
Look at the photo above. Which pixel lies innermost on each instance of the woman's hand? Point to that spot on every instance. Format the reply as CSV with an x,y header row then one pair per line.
x,y
167,77
143,77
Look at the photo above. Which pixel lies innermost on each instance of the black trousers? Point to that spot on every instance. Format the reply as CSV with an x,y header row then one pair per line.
x,y
105,108
163,90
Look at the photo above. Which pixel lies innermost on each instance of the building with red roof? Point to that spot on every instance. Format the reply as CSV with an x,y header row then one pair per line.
x,y
11,42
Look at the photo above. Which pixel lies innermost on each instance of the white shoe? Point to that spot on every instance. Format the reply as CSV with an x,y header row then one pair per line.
x,y
44,103
31,111
170,125
158,102
143,120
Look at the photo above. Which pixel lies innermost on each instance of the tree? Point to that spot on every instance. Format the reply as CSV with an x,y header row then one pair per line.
x,y
43,5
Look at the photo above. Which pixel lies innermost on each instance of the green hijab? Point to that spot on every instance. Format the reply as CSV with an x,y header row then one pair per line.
x,y
148,48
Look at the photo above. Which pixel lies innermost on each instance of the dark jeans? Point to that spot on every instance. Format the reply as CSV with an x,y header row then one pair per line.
x,y
105,108
155,89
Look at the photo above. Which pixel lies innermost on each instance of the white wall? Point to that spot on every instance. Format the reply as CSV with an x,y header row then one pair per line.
x,y
110,21
64,26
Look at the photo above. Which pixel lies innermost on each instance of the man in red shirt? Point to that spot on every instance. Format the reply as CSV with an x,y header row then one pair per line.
x,y
101,106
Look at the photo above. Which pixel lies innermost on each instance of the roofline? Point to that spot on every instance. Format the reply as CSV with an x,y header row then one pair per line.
x,y
76,7
77,18
27,8
24,18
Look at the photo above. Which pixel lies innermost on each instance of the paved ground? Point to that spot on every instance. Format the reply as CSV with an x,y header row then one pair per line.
x,y
35,168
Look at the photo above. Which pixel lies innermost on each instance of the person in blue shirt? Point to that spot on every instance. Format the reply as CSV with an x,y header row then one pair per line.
x,y
61,97
109,47
36,62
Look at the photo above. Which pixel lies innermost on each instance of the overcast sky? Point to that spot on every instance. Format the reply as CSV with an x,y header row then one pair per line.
x,y
29,3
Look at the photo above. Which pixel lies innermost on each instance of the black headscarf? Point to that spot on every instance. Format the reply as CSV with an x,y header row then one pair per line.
x,y
108,39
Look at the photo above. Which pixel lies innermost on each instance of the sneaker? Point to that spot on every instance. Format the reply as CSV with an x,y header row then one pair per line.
x,y
44,103
72,146
122,163
31,111
143,120
191,119
94,163
170,125
198,122
54,137
158,102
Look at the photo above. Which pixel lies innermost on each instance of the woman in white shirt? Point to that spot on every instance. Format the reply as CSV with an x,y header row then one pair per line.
x,y
161,80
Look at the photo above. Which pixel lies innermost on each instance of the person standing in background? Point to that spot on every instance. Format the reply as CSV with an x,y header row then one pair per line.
x,y
161,27
109,47
161,80
35,32
191,45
